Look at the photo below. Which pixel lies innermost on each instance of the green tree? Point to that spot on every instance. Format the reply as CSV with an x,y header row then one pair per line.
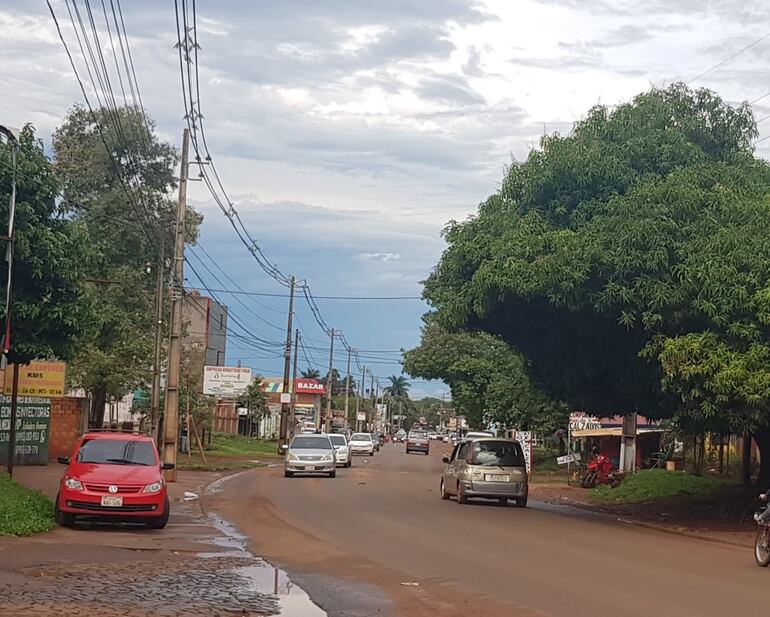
x,y
399,386
255,398
52,309
310,373
125,234
621,242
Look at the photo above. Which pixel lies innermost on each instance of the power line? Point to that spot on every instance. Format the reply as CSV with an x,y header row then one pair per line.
x,y
729,58
352,298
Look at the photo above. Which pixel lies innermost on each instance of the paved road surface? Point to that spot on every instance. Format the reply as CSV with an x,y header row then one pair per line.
x,y
387,511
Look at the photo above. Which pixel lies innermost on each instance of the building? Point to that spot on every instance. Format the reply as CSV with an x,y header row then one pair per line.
x,y
204,335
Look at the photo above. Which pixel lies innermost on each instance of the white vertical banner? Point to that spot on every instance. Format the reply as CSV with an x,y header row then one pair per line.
x,y
525,439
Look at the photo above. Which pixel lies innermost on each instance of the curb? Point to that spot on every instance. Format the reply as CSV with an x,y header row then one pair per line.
x,y
682,532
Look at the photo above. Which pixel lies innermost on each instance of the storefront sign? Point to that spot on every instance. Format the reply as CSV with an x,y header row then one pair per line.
x,y
33,417
310,386
38,378
226,381
525,439
568,458
361,416
581,421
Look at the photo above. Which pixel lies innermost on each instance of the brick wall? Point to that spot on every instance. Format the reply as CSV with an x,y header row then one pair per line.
x,y
67,416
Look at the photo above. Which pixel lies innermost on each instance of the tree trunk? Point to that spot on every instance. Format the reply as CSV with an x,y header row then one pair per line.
x,y
762,437
98,401
746,460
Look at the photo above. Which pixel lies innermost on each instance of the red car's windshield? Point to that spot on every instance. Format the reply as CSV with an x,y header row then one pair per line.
x,y
117,452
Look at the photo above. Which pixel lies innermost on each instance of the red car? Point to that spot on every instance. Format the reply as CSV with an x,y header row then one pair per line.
x,y
417,441
114,476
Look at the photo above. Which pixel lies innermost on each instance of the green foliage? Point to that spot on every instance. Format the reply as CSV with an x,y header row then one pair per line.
x,y
254,397
125,235
310,373
650,484
399,386
226,444
487,378
52,310
628,261
23,512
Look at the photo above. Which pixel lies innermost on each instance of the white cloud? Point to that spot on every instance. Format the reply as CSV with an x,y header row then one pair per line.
x,y
384,257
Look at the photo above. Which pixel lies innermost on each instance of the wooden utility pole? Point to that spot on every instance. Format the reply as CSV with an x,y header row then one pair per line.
x,y
155,394
347,388
329,386
286,405
171,408
292,414
12,431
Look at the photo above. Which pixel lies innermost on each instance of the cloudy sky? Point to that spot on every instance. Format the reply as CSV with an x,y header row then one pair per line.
x,y
348,132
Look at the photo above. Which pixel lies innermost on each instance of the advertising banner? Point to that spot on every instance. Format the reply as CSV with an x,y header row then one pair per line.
x,y
225,381
310,386
33,419
38,378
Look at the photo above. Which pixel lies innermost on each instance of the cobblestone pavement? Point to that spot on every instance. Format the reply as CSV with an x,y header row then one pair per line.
x,y
198,587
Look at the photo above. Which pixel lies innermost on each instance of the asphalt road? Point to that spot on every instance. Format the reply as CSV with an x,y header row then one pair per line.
x,y
386,513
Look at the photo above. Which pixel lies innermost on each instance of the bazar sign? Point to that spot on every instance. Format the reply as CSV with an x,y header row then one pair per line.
x,y
225,381
38,378
581,421
310,386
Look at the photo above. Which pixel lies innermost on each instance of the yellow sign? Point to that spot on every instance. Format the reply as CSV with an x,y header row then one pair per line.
x,y
38,378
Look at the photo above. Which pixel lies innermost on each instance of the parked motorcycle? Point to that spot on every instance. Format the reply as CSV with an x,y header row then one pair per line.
x,y
762,542
599,470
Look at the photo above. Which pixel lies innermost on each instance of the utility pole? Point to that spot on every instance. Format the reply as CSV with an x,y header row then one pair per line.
x,y
359,396
329,386
347,389
374,401
286,405
171,411
11,136
155,395
292,421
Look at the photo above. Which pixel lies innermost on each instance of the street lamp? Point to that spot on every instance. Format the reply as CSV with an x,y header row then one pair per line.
x,y
12,137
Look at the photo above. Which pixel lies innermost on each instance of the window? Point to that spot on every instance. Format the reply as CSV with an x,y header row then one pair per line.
x,y
497,454
311,442
117,452
462,450
454,454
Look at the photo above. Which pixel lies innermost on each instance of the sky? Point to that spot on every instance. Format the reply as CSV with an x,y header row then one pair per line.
x,y
349,132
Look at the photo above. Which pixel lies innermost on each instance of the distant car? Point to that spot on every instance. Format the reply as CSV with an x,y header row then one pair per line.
x,y
362,443
310,454
486,467
113,475
447,437
308,427
340,443
400,435
417,441
478,434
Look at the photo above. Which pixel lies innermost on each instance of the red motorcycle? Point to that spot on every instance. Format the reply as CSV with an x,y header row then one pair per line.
x,y
599,470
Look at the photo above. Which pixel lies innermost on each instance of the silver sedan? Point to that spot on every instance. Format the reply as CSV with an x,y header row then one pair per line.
x,y
310,454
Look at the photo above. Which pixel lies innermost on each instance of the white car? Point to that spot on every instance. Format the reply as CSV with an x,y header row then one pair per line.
x,y
361,443
342,448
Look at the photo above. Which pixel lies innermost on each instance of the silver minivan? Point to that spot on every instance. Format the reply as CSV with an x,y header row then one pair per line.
x,y
486,467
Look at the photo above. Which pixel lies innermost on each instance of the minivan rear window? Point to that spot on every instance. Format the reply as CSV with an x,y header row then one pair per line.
x,y
497,454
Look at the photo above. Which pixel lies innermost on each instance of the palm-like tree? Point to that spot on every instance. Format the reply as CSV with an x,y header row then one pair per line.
x,y
399,386
311,373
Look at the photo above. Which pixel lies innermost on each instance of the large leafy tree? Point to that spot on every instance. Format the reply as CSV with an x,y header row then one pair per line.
x,y
117,180
52,308
398,387
608,250
488,379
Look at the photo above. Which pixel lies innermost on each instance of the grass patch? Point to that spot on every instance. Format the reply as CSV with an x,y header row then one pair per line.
x,y
23,512
651,484
196,464
544,460
224,444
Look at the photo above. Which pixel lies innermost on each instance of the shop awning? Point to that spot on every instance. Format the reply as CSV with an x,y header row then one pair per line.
x,y
614,431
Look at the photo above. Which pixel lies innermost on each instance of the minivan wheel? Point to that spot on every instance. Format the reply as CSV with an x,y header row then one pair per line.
x,y
444,494
521,502
461,496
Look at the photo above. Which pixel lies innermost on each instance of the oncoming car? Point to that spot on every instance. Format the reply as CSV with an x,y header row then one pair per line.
x,y
486,467
340,443
362,443
310,454
115,476
418,441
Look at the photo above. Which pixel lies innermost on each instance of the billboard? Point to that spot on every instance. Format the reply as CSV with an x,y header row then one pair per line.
x,y
33,416
38,378
310,386
226,381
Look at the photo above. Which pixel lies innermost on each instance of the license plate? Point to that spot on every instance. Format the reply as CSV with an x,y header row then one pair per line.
x,y
311,468
492,477
112,501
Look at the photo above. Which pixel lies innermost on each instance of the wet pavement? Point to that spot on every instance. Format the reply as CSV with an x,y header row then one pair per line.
x,y
198,566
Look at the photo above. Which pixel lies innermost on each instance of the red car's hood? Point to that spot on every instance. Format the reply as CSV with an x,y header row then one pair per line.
x,y
115,474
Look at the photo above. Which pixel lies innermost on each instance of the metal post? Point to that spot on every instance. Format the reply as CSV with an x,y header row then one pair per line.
x,y
292,413
12,139
158,346
171,415
329,386
347,388
286,406
12,434
359,396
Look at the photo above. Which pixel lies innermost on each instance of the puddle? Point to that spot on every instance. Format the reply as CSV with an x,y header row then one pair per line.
x,y
262,577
